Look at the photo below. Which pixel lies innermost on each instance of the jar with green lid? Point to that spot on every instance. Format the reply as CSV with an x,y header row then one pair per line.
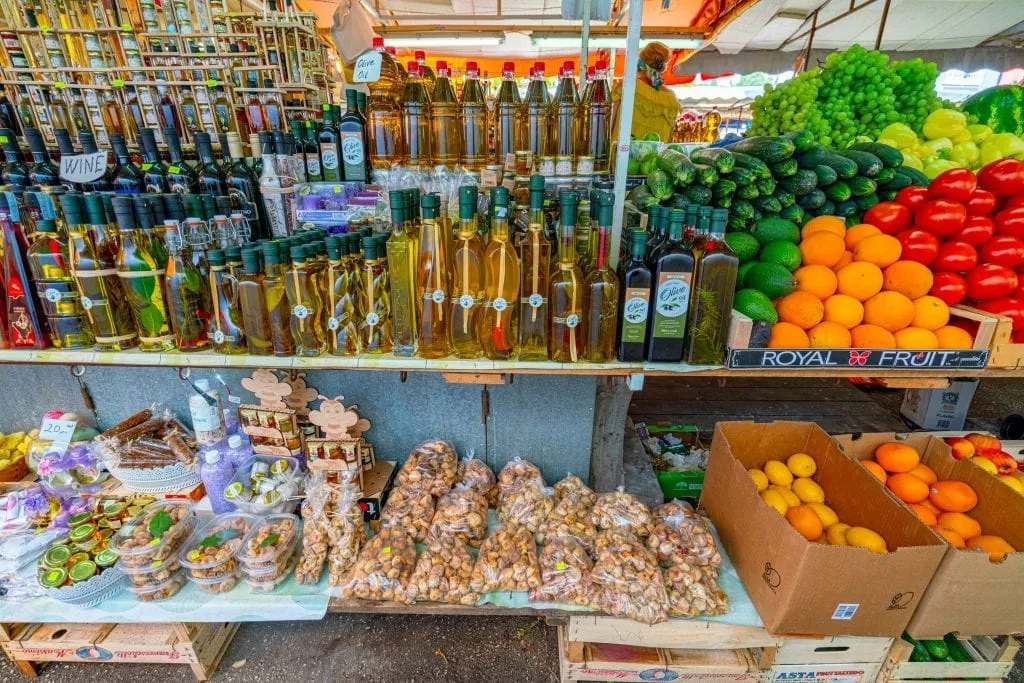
x,y
82,534
76,558
53,578
82,571
114,510
56,557
105,558
79,519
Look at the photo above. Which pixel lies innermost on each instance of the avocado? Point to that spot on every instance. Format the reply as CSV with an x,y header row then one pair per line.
x,y
772,228
782,252
744,245
772,279
755,305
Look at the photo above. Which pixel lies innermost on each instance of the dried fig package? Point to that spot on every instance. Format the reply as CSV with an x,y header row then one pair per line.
x,y
572,487
432,466
474,473
443,573
681,534
346,530
507,561
569,518
514,474
693,591
620,509
411,508
564,572
462,513
527,505
626,582
314,542
384,568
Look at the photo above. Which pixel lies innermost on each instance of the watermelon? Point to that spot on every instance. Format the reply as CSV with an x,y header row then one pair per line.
x,y
1001,108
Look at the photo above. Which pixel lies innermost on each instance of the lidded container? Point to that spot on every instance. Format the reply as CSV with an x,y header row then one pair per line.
x,y
155,534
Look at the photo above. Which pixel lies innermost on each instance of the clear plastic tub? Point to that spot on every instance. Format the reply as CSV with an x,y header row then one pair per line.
x,y
162,590
155,534
266,582
153,574
268,543
210,554
218,584
277,483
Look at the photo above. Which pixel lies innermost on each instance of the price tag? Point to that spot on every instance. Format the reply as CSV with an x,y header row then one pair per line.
x,y
60,85
117,83
489,178
45,28
126,26
367,69
337,189
643,221
212,83
57,431
510,161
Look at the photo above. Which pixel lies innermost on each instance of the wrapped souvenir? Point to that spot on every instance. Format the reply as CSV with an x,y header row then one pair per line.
x,y
443,572
564,572
474,473
384,568
514,474
411,508
618,509
431,466
507,561
681,534
462,513
149,439
626,582
527,505
314,541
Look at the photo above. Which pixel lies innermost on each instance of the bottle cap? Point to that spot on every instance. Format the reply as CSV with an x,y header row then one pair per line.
x,y
420,54
537,183
538,67
508,66
378,41
73,206
124,211
413,68
173,208
212,457
251,261
87,140
46,225
267,142
567,201
209,204
233,254
467,202
499,196
332,241
391,51
601,65
569,65
216,257
234,441
97,215
442,65
298,253
369,247
35,139
471,66
64,141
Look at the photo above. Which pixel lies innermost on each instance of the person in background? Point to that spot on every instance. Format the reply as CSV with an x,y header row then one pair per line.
x,y
655,107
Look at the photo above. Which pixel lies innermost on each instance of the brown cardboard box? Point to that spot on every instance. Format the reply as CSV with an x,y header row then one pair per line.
x,y
800,587
968,594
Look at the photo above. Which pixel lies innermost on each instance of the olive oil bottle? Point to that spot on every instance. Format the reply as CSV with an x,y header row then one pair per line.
x,y
601,291
467,279
673,277
534,259
342,323
474,120
433,281
252,300
568,320
447,129
416,121
713,290
636,301
225,327
499,329
509,117
304,297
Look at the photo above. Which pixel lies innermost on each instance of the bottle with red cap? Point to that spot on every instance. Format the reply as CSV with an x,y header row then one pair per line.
x,y
508,116
393,53
538,114
391,78
383,114
596,121
565,110
416,120
585,91
445,123
426,73
474,120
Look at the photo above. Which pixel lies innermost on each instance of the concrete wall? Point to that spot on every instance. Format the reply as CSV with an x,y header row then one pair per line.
x,y
547,419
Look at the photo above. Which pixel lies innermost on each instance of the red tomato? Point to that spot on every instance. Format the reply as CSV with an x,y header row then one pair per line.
x,y
956,257
1014,201
976,231
944,217
981,203
889,217
1010,307
1011,222
989,281
919,245
1003,250
1003,177
1019,292
950,287
912,197
956,184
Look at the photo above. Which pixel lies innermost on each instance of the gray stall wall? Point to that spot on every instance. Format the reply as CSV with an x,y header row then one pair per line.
x,y
547,419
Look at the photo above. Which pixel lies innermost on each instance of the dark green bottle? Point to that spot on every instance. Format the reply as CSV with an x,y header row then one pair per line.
x,y
352,131
330,157
673,277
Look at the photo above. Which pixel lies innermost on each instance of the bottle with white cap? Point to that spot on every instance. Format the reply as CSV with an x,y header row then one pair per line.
x,y
207,415
238,451
216,474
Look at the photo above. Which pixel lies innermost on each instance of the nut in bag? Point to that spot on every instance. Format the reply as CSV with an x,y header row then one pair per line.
x,y
432,466
474,473
564,572
621,509
527,505
384,568
626,582
681,534
314,544
462,513
514,474
693,591
613,539
411,508
507,561
443,573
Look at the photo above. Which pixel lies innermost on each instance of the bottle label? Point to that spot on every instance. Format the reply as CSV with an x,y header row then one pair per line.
x,y
312,167
219,337
372,319
438,296
352,148
572,320
333,323
300,311
466,301
535,300
87,303
671,304
329,155
499,304
634,314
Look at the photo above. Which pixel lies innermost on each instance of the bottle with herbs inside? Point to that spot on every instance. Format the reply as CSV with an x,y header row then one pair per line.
x,y
713,290
185,293
225,327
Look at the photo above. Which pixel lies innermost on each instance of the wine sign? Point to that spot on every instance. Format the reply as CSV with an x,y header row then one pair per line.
x,y
83,168
853,359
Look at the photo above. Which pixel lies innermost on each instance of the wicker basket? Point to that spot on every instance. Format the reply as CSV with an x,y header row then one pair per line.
x,y
16,471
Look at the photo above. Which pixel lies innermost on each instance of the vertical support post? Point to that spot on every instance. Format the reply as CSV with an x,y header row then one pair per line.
x,y
585,44
636,12
607,469
810,40
881,25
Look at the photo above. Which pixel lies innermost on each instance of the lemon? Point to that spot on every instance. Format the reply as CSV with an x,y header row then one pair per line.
x,y
807,491
1014,483
778,473
826,514
787,495
861,537
986,465
802,465
759,477
836,533
775,500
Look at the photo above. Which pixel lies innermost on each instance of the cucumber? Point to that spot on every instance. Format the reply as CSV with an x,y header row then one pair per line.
x,y
785,198
751,163
742,176
866,202
767,204
867,164
742,208
714,156
885,176
679,201
723,188
887,195
846,209
794,213
889,156
802,182
812,157
767,149
826,209
812,200
956,649
916,177
698,194
803,140
920,652
676,166
937,649
826,175
758,215
861,186
642,198
723,202
785,168
838,191
706,175
844,168
898,182
735,223
747,192
765,186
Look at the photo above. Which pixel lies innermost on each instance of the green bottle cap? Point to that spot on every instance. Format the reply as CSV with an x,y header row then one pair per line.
x,y
334,251
46,226
97,215
638,243
369,248
216,257
333,242
499,196
342,248
124,211
209,204
193,206
431,203
675,225
413,195
251,261
536,183
233,254
108,209
73,206
568,205
298,254
467,202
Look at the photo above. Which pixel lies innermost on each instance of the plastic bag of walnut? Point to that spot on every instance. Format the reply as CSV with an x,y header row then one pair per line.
x,y
621,509
693,591
384,568
681,534
527,505
564,572
514,474
626,582
411,508
474,473
507,561
432,466
443,573
462,512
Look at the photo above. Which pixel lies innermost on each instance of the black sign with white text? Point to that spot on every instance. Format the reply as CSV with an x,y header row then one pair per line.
x,y
890,359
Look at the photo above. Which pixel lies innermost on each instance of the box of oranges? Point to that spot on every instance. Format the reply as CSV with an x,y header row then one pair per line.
x,y
979,586
820,547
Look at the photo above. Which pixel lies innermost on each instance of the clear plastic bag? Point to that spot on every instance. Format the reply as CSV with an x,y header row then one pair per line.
x,y
462,513
621,509
682,534
564,572
507,561
626,582
432,465
475,473
443,573
612,539
573,487
568,518
693,591
384,568
527,505
339,529
411,508
516,472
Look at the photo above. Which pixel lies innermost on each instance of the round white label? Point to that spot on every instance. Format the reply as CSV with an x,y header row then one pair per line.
x,y
300,311
219,337
572,320
673,297
499,304
86,302
636,311
352,149
438,296
536,300
333,323
372,318
466,301
52,295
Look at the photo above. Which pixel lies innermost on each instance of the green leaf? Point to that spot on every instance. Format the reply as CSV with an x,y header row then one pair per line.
x,y
152,320
271,539
193,282
218,539
160,523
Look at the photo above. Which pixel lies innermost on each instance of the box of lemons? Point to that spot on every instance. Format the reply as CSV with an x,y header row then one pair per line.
x,y
755,305
772,279
782,252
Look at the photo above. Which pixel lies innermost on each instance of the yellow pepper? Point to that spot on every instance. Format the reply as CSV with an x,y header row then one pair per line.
x,y
965,154
938,166
899,135
1000,145
944,123
912,161
979,132
940,147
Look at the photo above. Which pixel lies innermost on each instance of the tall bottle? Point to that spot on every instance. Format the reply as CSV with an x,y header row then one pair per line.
x,y
602,291
278,304
154,171
304,297
473,108
22,309
15,171
416,121
50,267
181,177
129,177
673,277
445,125
211,176
713,290
330,156
635,301
499,330
342,321
375,327
185,293
143,279
509,117
433,283
537,106
568,315
244,189
314,174
271,190
565,111
225,328
426,73
401,257
252,300
383,112
597,118
535,264
467,279
273,109
43,171
352,134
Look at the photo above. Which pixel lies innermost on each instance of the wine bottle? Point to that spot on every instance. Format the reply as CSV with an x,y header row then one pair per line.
x,y
154,170
211,175
181,177
129,177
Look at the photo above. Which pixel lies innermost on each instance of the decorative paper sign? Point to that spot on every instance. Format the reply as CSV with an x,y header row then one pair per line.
x,y
83,168
57,431
367,69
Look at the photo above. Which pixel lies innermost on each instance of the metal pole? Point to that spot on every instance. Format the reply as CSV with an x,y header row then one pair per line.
x,y
636,12
881,25
585,46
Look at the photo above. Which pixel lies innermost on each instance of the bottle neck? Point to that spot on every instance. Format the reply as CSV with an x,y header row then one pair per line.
x,y
602,246
173,148
567,245
121,152
205,151
467,227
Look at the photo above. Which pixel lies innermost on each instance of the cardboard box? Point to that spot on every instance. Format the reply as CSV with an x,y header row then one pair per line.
x,y
968,594
939,408
377,484
800,587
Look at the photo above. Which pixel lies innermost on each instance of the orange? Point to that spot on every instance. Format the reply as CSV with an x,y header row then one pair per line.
x,y
889,310
847,257
882,250
818,280
967,527
859,280
952,537
858,232
787,336
909,278
875,469
926,515
844,309
996,547
930,312
928,504
907,487
896,457
925,473
805,520
916,338
953,496
950,337
833,224
829,335
803,309
822,249
872,337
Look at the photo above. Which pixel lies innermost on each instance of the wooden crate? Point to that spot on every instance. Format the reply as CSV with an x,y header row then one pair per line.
x,y
857,659
200,646
993,661
692,634
1003,353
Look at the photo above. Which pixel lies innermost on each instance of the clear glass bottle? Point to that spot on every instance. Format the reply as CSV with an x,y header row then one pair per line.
x,y
252,300
185,293
713,290
535,269
271,190
225,329
468,289
304,297
473,108
342,321
278,304
602,291
314,174
635,303
568,315
416,121
673,277
537,106
433,282
509,117
445,124
375,326
49,264
595,128
565,114
244,189
499,329
401,257
273,108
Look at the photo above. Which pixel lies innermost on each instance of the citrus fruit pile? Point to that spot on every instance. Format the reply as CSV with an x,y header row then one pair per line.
x,y
788,487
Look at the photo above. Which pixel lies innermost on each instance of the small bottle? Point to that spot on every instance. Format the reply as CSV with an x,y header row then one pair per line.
x,y
636,301
568,316
375,327
402,254
207,415
253,302
330,155
238,452
304,297
535,271
601,291
474,120
433,284
278,306
185,293
216,473
499,323
225,327
467,279
352,141
342,320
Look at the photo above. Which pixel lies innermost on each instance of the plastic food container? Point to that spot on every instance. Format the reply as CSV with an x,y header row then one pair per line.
x,y
210,554
161,591
152,574
268,485
266,581
268,543
155,534
222,583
